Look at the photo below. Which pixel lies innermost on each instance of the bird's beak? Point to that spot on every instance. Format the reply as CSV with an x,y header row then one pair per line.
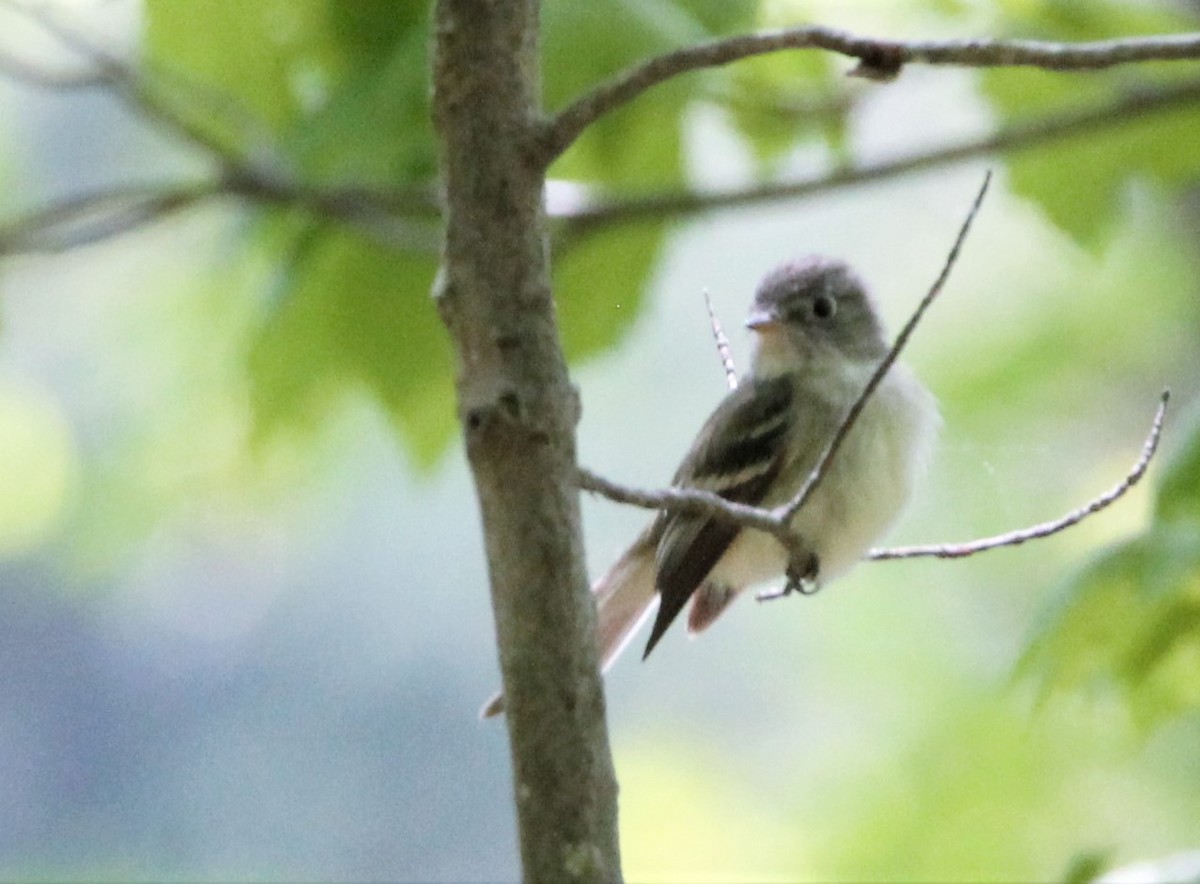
x,y
763,320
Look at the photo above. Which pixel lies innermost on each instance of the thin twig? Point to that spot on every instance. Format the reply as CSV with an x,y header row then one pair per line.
x,y
88,218
1044,529
876,57
822,468
731,378
15,68
690,501
1130,108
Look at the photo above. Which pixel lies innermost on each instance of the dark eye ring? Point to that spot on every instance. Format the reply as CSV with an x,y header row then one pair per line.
x,y
824,307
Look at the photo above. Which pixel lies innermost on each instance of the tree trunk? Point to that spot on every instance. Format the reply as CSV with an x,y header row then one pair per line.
x,y
518,411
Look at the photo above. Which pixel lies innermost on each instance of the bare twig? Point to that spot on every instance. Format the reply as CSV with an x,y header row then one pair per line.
x,y
690,501
88,218
15,68
1129,108
1044,529
877,58
731,378
818,474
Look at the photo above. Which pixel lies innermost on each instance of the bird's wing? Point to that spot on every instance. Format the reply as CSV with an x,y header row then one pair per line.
x,y
738,454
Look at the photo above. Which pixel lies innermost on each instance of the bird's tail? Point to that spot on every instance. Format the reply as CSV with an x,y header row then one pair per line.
x,y
624,598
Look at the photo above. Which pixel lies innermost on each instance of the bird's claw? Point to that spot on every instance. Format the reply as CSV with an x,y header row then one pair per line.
x,y
802,577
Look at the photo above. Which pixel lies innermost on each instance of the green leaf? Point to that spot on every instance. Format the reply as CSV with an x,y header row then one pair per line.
x,y
252,52
343,90
355,314
600,282
1179,494
341,87
1070,20
1129,625
1079,183
778,100
585,44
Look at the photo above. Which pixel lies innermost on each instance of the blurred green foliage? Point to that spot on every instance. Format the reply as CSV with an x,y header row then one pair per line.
x,y
307,314
1129,623
342,89
1156,149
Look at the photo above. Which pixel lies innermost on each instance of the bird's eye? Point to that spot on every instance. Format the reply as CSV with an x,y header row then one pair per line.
x,y
823,307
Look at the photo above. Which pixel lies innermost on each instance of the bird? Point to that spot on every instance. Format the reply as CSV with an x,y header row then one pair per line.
x,y
817,340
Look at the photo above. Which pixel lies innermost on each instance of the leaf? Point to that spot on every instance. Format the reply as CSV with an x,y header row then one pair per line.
x,y
341,87
356,315
585,44
1079,182
601,282
1179,494
1128,624
344,89
777,100
249,51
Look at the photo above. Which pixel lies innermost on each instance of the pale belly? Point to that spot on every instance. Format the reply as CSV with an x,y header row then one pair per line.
x,y
868,484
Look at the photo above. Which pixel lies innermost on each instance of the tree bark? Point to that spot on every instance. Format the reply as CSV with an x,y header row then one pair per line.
x,y
519,411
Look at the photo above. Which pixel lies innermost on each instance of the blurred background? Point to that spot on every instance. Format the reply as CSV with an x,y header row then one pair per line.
x,y
244,620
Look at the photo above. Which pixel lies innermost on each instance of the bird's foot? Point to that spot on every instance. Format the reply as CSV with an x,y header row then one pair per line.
x,y
802,578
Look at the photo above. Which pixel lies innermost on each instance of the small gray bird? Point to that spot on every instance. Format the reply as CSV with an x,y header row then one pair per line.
x,y
817,342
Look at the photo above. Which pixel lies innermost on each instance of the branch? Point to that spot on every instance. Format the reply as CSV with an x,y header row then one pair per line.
x,y
1045,529
877,58
15,68
88,218
689,501
1123,110
519,410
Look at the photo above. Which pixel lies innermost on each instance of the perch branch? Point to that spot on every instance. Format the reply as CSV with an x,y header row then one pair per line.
x,y
877,58
1044,529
